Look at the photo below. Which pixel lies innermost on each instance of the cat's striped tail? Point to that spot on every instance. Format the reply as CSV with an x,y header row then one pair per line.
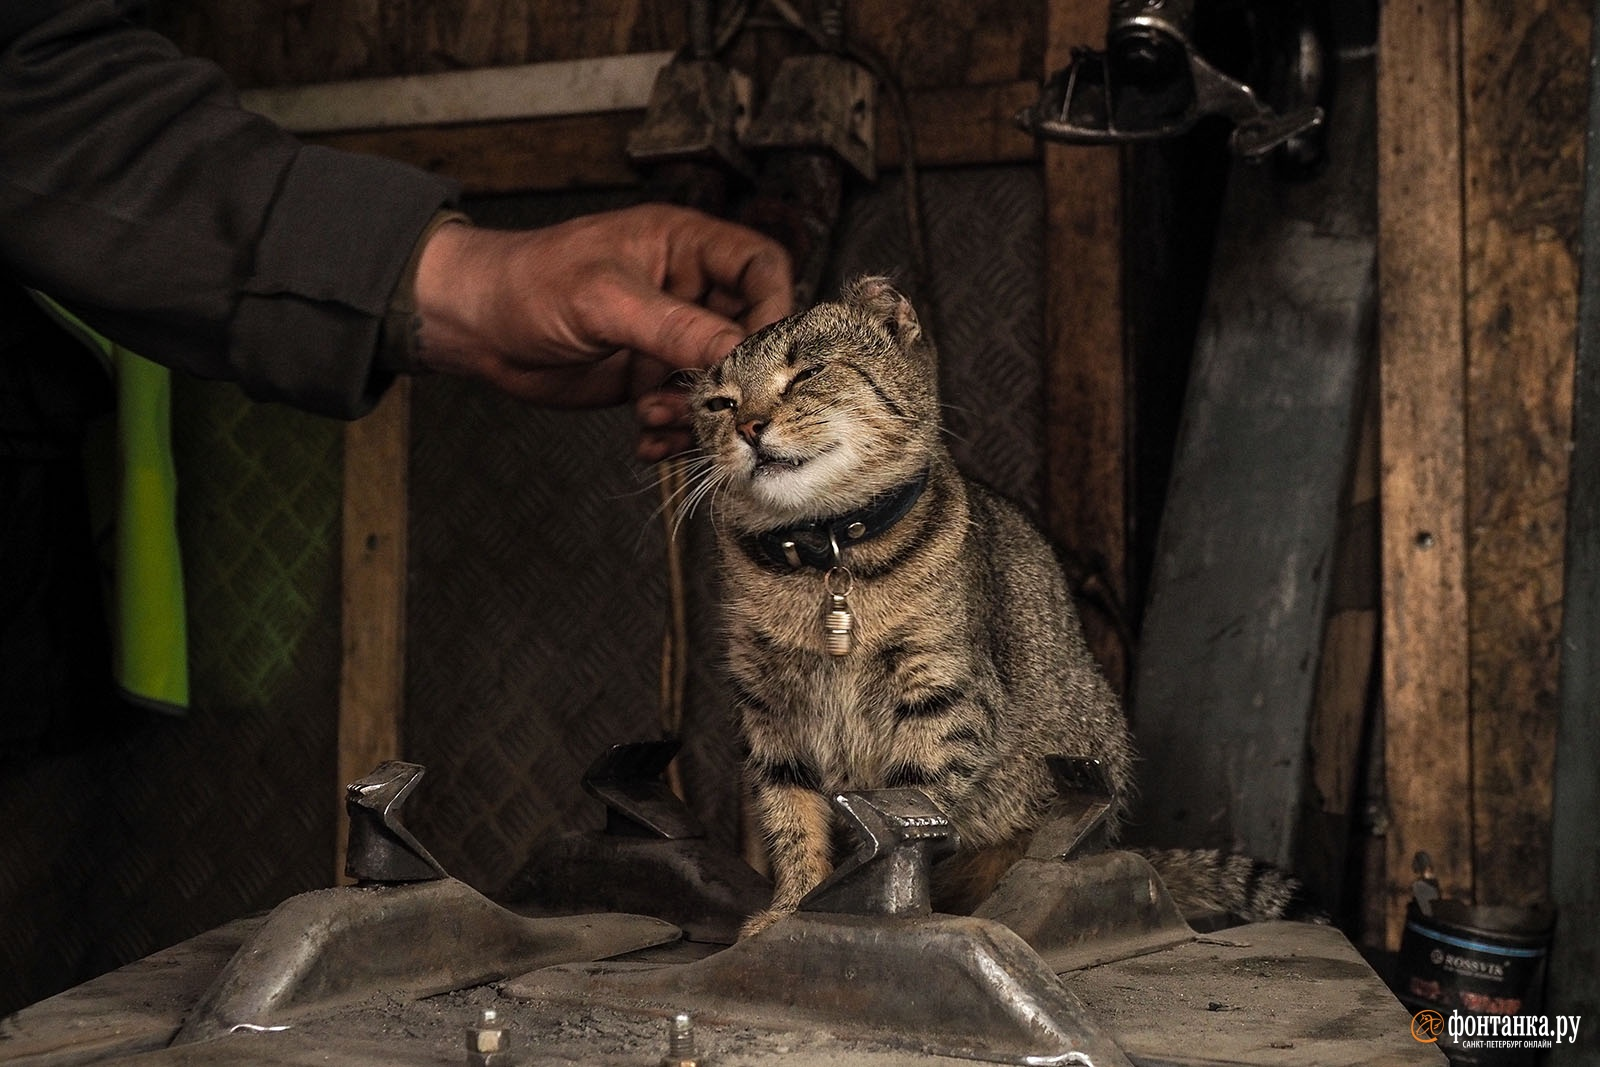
x,y
1207,882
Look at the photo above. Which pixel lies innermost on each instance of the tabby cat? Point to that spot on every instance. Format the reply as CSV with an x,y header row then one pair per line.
x,y
890,622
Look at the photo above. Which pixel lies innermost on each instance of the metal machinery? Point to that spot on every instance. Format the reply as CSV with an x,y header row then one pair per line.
x,y
1077,958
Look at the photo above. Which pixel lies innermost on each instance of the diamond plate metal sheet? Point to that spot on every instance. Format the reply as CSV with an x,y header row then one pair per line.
x,y
165,827
538,589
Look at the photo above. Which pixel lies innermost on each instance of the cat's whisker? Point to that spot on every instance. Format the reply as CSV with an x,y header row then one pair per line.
x,y
685,466
673,480
704,487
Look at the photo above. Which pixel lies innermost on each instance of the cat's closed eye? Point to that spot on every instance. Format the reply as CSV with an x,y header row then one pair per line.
x,y
808,372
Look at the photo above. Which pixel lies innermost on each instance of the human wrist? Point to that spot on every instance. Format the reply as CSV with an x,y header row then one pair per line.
x,y
418,292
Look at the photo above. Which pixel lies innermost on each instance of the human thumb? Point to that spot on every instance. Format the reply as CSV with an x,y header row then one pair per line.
x,y
677,332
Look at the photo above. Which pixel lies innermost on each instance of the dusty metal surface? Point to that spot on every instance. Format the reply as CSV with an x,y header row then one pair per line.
x,y
1285,994
133,1009
942,986
1276,993
318,951
355,974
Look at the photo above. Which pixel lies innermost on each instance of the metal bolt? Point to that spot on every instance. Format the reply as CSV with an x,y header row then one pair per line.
x,y
680,1043
487,1041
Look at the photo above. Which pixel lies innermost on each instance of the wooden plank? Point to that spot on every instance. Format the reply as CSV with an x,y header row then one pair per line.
x,y
1238,597
490,94
372,677
1524,71
1086,385
1427,746
928,43
956,126
290,42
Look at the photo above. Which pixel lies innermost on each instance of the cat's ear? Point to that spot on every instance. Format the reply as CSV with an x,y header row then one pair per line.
x,y
877,297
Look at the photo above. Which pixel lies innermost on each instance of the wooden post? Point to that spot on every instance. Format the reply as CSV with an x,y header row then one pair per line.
x,y
1086,385
372,677
1427,741
1524,76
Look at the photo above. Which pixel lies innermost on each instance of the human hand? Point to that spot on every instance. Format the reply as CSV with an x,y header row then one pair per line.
x,y
599,310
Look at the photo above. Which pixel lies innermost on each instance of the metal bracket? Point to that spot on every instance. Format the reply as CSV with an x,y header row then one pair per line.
x,y
821,102
380,849
1151,83
899,833
698,110
653,857
1077,819
627,779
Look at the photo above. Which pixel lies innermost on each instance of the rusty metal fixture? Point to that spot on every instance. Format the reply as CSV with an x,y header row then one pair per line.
x,y
1077,820
627,779
1151,82
1087,911
652,859
820,102
319,951
381,850
699,110
899,833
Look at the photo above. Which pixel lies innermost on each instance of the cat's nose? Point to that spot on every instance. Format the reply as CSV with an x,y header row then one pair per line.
x,y
751,429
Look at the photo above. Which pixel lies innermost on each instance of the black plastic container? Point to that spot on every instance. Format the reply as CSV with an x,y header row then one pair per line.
x,y
1476,961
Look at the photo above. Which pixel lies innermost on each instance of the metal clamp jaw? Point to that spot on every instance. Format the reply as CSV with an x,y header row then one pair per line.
x,y
1150,83
381,850
627,778
899,834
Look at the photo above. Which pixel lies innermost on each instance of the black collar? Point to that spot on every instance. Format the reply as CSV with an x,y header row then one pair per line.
x,y
811,544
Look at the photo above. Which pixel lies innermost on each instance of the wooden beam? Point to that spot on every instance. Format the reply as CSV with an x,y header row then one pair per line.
x,y
530,90
956,126
1086,387
1524,73
1427,741
372,676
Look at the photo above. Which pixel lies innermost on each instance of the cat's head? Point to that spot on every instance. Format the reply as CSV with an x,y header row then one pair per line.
x,y
818,413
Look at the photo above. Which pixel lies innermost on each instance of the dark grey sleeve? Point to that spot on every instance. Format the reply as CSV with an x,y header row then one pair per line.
x,y
136,191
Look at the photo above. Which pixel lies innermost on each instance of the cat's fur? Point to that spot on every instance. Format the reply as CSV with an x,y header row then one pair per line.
x,y
969,664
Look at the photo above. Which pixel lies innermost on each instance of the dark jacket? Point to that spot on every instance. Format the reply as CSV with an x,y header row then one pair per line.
x,y
136,191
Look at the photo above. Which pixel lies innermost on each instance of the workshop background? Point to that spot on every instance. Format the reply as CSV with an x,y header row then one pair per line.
x,y
1305,432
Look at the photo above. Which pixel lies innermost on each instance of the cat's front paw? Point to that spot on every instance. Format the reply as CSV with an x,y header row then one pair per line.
x,y
760,921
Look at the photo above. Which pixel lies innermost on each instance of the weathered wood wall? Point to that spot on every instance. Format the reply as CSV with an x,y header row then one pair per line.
x,y
1482,112
933,44
1525,81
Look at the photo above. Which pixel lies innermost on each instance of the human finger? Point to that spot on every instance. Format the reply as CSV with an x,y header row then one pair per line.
x,y
674,332
734,259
